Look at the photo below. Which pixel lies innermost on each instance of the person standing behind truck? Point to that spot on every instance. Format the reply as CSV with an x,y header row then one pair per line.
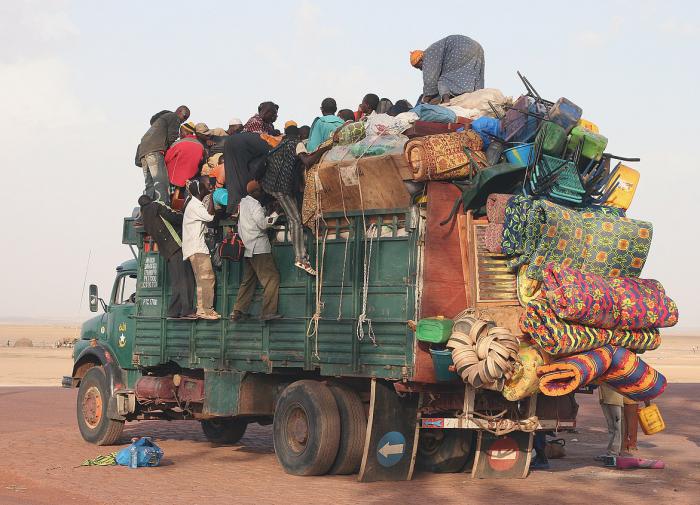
x,y
150,154
163,224
195,249
258,263
451,66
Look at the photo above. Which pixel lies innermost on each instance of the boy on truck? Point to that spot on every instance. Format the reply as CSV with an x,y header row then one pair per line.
x,y
195,248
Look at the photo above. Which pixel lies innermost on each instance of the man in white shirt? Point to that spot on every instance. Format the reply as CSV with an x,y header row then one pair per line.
x,y
258,263
195,248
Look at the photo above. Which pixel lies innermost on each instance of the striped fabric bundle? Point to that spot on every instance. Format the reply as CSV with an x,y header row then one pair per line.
x,y
557,337
632,377
568,374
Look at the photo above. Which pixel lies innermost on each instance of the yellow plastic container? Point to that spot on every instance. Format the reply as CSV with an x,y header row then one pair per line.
x,y
622,196
650,419
588,125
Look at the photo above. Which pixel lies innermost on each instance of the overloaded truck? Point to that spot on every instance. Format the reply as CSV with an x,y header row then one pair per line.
x,y
342,378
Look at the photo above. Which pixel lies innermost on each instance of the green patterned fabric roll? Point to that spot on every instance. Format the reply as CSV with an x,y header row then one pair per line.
x,y
351,133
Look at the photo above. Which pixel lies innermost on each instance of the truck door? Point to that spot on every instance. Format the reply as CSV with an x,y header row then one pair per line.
x,y
120,322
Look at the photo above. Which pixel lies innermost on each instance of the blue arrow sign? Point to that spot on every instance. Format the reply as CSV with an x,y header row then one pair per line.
x,y
391,448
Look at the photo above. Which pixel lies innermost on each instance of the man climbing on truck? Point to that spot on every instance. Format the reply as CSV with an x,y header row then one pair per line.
x,y
259,265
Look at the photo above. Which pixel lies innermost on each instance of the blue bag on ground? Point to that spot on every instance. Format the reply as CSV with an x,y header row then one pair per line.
x,y
148,453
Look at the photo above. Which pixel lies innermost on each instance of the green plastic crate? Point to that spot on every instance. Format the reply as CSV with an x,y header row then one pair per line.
x,y
553,138
436,330
594,144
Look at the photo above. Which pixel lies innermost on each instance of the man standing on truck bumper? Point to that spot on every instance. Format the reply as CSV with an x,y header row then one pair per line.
x,y
150,154
162,224
258,263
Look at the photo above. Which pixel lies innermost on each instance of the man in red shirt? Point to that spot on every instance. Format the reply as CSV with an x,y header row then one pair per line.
x,y
184,157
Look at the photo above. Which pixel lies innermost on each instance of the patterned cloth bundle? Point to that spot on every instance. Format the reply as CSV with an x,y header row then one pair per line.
x,y
632,377
496,204
603,302
568,374
558,337
443,156
616,366
597,240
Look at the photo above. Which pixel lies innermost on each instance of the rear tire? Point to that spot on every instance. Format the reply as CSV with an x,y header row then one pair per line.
x,y
91,409
353,428
224,431
444,451
306,428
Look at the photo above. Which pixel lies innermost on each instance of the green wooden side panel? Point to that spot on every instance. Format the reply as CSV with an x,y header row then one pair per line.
x,y
221,390
336,349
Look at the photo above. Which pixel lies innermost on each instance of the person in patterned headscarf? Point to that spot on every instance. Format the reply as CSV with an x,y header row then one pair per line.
x,y
450,66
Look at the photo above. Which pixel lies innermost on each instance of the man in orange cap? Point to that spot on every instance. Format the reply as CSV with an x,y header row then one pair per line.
x,y
450,66
258,263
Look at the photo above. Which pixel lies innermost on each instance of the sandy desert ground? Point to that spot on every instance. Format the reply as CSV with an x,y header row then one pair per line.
x,y
678,357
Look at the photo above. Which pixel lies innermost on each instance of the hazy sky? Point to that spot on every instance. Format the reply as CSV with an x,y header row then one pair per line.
x,y
80,79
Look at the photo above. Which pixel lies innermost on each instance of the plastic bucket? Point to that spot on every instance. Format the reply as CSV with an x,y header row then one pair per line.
x,y
520,155
442,360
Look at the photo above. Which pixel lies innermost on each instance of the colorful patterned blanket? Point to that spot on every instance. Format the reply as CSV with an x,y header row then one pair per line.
x,y
632,377
604,302
619,368
558,337
597,240
568,374
441,157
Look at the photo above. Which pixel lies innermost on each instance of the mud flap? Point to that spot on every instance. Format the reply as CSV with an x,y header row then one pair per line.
x,y
504,457
392,435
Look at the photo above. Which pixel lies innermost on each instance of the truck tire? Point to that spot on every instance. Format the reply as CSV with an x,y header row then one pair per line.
x,y
306,428
353,428
444,451
224,431
93,397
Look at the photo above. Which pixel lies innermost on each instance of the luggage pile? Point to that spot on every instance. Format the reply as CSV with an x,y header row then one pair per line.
x,y
557,212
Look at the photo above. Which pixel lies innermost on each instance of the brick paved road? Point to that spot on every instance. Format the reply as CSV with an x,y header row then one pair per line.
x,y
40,448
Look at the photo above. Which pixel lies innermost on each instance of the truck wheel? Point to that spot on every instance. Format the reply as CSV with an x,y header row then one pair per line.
x,y
444,451
306,428
93,397
225,431
353,428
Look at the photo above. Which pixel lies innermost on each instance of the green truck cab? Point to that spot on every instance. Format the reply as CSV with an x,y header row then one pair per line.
x,y
341,377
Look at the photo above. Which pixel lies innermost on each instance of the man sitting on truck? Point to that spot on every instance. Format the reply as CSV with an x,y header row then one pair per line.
x,y
451,66
195,249
258,263
163,224
150,153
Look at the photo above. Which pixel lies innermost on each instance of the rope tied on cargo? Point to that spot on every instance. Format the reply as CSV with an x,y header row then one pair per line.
x,y
312,328
362,318
499,425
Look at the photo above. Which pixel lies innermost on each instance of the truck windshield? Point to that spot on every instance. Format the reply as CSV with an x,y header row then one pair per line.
x,y
125,291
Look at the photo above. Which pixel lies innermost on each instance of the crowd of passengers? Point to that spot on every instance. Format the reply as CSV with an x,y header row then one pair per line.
x,y
253,173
